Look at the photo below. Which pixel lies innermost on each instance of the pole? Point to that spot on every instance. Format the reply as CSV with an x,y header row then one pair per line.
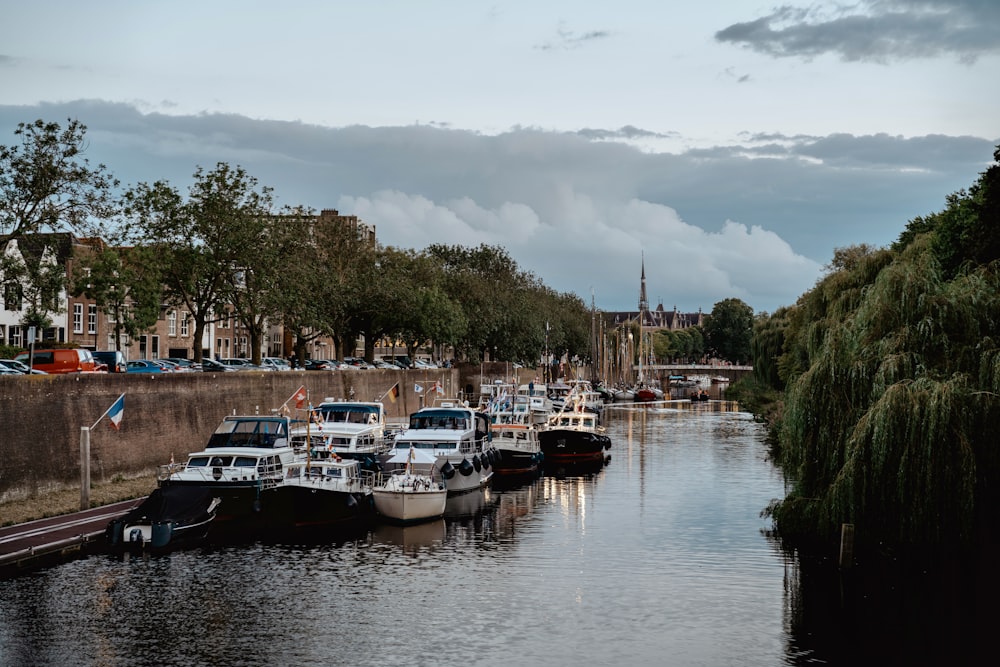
x,y
84,468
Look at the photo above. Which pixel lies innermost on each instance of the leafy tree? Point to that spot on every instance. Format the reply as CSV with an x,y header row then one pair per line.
x,y
729,329
47,185
125,284
202,242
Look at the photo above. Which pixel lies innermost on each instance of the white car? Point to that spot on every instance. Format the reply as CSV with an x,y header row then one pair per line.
x,y
277,363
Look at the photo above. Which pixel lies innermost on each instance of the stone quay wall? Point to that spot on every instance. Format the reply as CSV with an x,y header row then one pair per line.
x,y
171,415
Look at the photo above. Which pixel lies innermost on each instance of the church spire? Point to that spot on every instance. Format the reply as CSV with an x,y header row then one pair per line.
x,y
643,301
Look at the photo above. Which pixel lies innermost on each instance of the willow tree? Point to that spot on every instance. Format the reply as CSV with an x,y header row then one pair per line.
x,y
891,418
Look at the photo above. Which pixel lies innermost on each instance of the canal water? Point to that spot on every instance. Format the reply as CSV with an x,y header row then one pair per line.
x,y
659,557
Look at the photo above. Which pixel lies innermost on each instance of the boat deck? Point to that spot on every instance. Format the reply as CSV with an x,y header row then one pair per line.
x,y
26,546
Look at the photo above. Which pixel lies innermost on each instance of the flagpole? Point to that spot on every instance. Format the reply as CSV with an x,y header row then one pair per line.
x,y
106,412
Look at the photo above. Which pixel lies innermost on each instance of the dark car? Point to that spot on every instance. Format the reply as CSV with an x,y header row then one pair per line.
x,y
318,365
113,359
213,366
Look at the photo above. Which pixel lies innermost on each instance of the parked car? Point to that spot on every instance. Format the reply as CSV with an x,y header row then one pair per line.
x,y
242,364
143,366
183,364
60,360
319,365
277,363
113,359
20,367
381,363
213,366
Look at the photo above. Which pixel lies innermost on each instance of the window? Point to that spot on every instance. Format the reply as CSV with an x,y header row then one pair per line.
x,y
77,318
92,319
185,324
15,335
12,296
172,323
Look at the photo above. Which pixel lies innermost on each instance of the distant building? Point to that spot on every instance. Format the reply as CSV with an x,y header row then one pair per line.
x,y
654,319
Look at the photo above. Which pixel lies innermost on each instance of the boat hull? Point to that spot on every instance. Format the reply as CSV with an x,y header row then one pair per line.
x,y
304,506
573,445
514,462
167,519
410,506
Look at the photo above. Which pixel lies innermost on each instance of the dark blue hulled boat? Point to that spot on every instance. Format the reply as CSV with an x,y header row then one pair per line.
x,y
169,517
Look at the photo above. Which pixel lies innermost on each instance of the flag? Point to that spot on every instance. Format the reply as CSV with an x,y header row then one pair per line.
x,y
317,418
393,392
300,397
115,412
438,388
417,388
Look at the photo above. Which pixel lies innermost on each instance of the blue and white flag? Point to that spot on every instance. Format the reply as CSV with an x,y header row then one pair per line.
x,y
417,388
115,412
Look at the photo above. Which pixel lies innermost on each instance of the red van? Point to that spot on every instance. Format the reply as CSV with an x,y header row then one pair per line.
x,y
62,360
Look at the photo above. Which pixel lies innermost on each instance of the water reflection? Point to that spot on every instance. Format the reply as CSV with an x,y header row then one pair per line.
x,y
659,556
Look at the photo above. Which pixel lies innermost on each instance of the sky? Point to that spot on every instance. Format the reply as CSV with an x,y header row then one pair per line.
x,y
729,147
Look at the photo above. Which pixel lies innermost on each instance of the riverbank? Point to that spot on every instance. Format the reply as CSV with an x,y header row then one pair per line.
x,y
66,501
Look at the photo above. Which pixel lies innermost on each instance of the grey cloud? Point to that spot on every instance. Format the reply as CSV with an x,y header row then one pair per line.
x,y
874,30
561,201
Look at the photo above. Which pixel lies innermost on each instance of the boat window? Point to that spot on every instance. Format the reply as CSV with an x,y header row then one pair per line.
x,y
221,461
245,461
197,461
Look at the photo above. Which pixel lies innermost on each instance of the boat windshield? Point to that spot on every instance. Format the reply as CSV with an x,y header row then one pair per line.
x,y
250,432
350,414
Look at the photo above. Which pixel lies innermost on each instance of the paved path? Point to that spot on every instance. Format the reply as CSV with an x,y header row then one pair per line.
x,y
28,545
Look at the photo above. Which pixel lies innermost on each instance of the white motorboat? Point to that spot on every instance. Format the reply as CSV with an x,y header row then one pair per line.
x,y
411,494
457,436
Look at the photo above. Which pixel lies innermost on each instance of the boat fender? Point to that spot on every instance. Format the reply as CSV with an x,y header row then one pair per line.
x,y
135,536
487,458
465,467
477,464
447,470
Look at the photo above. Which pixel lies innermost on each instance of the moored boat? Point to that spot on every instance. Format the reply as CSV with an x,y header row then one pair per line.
x,y
516,449
169,517
410,494
244,456
457,436
573,435
319,494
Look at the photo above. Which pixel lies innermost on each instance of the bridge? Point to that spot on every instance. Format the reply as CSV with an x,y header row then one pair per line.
x,y
733,373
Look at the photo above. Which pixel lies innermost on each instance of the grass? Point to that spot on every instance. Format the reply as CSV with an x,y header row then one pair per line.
x,y
67,501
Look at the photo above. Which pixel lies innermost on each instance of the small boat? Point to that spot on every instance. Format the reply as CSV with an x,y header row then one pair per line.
x,y
516,449
700,395
410,494
719,379
573,434
169,517
319,494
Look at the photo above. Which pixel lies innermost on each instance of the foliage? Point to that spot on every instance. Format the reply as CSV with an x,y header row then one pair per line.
x,y
125,284
892,373
728,330
203,244
46,184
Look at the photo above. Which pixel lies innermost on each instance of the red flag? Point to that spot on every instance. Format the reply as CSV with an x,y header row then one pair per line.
x,y
394,392
300,397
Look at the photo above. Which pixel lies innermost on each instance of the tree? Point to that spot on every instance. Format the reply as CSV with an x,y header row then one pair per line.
x,y
729,330
125,284
46,184
205,243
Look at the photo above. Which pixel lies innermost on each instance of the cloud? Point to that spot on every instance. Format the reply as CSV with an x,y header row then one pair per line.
x,y
568,40
874,30
754,220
